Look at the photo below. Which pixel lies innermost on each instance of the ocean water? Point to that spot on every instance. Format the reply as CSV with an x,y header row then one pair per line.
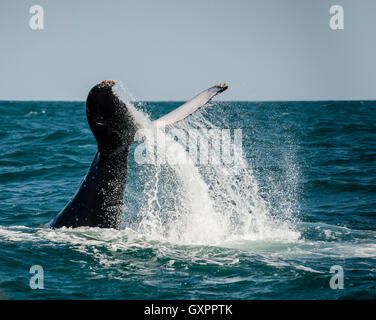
x,y
300,199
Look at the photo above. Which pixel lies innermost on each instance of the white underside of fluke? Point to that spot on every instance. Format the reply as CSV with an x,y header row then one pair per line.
x,y
190,107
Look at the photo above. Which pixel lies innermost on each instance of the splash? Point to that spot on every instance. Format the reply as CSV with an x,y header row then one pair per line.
x,y
186,203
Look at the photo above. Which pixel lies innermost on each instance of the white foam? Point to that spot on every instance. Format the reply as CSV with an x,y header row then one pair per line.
x,y
211,203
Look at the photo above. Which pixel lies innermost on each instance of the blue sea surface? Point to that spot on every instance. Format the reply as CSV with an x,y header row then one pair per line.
x,y
303,201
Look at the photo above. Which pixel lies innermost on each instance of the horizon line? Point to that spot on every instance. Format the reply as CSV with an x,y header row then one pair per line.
x,y
276,100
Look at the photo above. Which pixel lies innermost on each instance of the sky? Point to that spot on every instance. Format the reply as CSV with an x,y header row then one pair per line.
x,y
172,49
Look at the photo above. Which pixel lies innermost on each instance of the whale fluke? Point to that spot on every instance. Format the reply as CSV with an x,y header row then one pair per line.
x,y
190,107
98,201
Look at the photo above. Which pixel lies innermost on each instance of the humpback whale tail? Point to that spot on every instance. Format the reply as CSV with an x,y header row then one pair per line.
x,y
99,199
191,106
